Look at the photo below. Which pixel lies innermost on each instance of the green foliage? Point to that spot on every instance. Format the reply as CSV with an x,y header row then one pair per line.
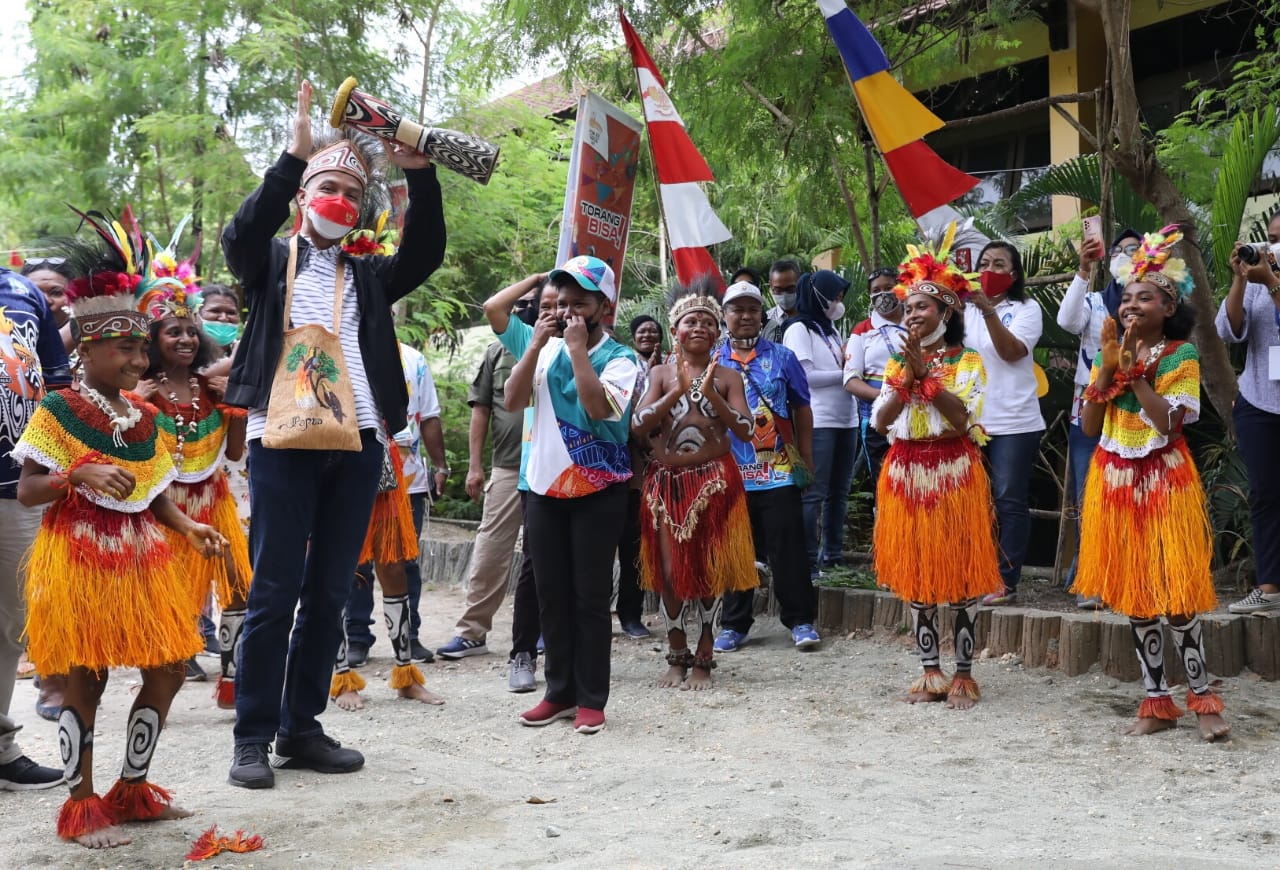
x,y
1252,136
1080,177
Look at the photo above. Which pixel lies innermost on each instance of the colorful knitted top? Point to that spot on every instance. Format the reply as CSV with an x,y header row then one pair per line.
x,y
963,375
67,429
202,450
1127,430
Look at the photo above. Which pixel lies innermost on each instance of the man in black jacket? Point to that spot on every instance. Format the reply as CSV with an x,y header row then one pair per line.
x,y
310,509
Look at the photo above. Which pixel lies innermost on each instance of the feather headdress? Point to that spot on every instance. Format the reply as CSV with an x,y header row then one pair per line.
x,y
174,292
113,273
930,270
1154,264
698,295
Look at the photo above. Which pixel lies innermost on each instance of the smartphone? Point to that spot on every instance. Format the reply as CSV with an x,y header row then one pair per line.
x,y
964,259
1093,228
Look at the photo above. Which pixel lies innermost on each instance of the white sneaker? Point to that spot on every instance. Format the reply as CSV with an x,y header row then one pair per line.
x,y
1256,601
521,676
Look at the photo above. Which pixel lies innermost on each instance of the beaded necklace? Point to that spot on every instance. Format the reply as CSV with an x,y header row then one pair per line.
x,y
119,422
181,425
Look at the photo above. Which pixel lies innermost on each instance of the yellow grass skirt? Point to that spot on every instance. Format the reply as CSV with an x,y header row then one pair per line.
x,y
934,538
210,501
1145,538
699,515
104,590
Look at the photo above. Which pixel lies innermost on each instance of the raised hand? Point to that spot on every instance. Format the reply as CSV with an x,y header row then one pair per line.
x,y
1129,349
1090,253
1110,347
682,370
575,333
913,356
405,157
545,328
301,146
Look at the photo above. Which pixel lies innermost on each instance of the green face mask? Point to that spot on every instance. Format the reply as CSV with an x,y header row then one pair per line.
x,y
223,333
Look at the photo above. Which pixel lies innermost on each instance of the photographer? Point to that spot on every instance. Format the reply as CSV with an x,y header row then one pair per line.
x,y
1251,314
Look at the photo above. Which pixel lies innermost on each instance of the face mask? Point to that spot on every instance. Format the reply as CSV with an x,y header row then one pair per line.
x,y
936,335
527,314
744,343
885,303
222,333
786,301
331,217
995,283
1118,262
834,311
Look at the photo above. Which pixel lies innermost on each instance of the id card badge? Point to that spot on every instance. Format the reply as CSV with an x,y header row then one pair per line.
x,y
1273,363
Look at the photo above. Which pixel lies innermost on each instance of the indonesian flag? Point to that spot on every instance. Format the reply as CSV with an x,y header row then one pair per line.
x,y
691,224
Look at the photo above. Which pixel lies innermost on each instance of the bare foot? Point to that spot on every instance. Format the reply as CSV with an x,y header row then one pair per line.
x,y
350,701
672,678
698,680
960,701
923,697
1145,725
415,692
104,838
1212,726
169,813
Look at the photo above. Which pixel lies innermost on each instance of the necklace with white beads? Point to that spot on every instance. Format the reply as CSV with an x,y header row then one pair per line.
x,y
119,422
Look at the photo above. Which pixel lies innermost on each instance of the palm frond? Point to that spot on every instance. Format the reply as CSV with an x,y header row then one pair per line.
x,y
1081,177
1252,136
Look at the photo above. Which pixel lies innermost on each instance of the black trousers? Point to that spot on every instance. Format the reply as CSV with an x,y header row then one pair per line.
x,y
572,541
777,521
630,597
525,624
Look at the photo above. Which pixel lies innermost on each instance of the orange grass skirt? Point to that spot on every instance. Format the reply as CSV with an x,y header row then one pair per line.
x,y
391,537
210,501
699,515
1145,538
104,590
934,538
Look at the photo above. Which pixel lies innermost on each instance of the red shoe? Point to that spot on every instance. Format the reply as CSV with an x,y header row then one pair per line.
x,y
225,693
546,713
588,721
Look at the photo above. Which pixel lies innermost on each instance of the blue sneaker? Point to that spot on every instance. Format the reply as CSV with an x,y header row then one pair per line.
x,y
729,640
460,648
805,637
542,644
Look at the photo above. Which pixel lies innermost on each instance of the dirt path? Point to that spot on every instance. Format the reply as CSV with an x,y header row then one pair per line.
x,y
794,759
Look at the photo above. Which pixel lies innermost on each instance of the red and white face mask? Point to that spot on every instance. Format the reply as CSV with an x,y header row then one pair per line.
x,y
331,217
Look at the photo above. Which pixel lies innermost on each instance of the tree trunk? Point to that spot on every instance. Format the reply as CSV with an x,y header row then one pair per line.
x,y
1133,155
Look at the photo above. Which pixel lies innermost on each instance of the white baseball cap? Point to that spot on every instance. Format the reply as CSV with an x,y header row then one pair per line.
x,y
743,289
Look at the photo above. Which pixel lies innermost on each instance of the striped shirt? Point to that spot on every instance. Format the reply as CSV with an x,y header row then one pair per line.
x,y
313,303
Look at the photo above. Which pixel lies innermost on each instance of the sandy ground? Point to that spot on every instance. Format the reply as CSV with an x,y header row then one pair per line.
x,y
792,759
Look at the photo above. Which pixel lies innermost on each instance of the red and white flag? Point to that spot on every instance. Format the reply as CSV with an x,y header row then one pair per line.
x,y
691,224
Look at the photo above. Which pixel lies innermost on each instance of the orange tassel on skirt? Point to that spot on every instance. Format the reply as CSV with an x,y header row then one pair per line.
x,y
209,501
934,539
701,513
103,591
1145,539
391,536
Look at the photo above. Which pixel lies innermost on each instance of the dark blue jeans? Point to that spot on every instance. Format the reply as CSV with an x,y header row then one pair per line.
x,y
1258,433
834,451
1080,449
310,510
1011,459
360,601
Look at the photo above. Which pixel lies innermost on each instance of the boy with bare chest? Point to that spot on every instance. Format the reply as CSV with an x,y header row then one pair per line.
x,y
695,531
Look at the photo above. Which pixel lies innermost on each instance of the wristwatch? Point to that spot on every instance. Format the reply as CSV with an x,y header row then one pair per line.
x,y
445,471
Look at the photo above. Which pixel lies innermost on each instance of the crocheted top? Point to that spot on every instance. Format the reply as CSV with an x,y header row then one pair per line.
x,y
962,374
202,450
1126,429
67,429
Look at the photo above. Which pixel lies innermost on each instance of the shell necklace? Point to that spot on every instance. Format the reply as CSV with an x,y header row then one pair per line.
x,y
119,422
181,425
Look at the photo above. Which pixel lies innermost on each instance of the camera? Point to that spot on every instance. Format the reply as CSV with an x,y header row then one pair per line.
x,y
1252,253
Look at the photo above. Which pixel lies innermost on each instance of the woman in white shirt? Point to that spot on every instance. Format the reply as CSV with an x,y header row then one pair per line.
x,y
811,335
1004,326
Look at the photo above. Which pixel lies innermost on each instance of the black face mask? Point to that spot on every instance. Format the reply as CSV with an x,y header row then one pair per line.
x,y
590,324
527,314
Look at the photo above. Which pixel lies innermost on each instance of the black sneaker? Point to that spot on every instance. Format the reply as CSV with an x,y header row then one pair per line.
x,y
23,774
194,672
357,655
250,767
320,753
420,653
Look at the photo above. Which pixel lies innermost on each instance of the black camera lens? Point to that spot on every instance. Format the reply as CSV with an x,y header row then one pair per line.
x,y
1248,254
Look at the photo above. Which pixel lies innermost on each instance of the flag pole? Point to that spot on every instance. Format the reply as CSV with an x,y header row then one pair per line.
x,y
663,231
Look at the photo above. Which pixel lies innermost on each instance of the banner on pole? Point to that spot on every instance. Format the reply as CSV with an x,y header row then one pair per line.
x,y
601,184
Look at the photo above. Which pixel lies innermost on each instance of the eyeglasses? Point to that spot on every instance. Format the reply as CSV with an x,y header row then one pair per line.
x,y
1129,249
33,262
